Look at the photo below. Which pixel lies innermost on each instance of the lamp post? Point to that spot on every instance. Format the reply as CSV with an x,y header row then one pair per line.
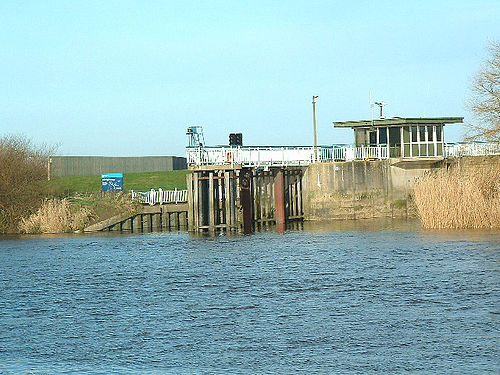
x,y
314,123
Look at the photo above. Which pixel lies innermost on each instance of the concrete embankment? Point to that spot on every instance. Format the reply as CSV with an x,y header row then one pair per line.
x,y
366,189
361,189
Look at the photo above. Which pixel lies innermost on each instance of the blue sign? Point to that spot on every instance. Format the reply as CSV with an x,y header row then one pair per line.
x,y
112,181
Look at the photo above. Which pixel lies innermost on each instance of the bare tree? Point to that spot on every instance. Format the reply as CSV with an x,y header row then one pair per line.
x,y
485,99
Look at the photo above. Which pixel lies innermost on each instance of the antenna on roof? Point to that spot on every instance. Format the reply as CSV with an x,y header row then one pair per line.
x,y
381,106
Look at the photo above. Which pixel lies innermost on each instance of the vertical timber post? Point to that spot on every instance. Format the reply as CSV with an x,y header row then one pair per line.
x,y
211,205
190,213
246,199
279,201
196,197
299,194
256,206
227,200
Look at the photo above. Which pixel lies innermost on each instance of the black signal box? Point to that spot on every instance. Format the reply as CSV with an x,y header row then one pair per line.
x,y
235,139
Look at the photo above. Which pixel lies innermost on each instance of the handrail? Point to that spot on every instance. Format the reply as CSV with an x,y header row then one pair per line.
x,y
160,196
471,149
268,156
280,155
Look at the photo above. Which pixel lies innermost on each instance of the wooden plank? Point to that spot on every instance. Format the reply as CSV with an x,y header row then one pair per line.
x,y
196,197
257,209
227,199
269,182
179,207
279,200
246,200
190,213
299,195
211,205
263,196
232,194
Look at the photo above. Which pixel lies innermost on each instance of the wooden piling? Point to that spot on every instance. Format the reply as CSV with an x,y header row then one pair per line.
x,y
299,195
211,206
279,200
196,198
190,211
227,200
246,200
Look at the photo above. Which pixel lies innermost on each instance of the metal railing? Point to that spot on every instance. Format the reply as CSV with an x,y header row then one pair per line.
x,y
304,155
251,156
348,153
160,196
471,149
280,156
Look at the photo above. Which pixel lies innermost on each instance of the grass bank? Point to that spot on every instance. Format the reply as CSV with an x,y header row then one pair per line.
x,y
72,203
460,198
65,215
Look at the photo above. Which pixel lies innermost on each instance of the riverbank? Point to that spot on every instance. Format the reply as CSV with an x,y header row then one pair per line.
x,y
68,204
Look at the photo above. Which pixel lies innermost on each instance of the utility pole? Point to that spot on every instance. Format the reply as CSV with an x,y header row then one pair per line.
x,y
314,123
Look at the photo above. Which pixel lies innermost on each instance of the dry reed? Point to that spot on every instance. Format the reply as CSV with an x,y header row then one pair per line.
x,y
55,216
460,198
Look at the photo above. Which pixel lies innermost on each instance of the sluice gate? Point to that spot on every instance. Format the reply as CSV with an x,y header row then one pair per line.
x,y
233,198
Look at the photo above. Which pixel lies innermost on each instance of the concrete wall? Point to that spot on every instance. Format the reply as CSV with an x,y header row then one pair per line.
x,y
95,165
359,189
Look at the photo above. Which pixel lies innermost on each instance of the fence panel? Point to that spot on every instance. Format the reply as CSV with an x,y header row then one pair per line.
x,y
160,196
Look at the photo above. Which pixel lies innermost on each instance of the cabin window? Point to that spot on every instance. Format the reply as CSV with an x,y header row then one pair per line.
x,y
414,150
423,149
438,133
394,136
373,138
382,136
422,133
406,150
430,133
414,134
440,149
406,134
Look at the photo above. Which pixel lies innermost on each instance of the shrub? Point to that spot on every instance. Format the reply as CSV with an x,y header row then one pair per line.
x,y
55,216
22,168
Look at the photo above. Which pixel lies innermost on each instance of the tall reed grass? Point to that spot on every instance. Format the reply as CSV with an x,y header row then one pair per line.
x,y
460,198
56,216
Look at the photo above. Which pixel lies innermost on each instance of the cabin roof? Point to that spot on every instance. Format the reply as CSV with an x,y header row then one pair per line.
x,y
395,121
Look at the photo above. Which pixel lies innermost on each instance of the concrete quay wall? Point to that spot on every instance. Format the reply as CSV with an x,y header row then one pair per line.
x,y
360,189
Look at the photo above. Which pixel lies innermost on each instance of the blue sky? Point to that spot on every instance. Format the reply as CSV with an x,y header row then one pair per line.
x,y
127,77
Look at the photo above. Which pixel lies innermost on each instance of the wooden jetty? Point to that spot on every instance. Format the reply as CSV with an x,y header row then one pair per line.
x,y
169,216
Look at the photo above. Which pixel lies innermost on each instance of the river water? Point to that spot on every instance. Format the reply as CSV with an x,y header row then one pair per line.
x,y
333,298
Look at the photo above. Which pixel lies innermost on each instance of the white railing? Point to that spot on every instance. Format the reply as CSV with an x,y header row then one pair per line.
x,y
280,156
160,196
471,149
348,153
305,155
251,156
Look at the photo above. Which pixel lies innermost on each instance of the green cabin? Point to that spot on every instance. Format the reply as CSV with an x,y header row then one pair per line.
x,y
403,137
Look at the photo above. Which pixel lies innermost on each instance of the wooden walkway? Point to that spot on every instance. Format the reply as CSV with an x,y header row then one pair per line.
x,y
167,216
